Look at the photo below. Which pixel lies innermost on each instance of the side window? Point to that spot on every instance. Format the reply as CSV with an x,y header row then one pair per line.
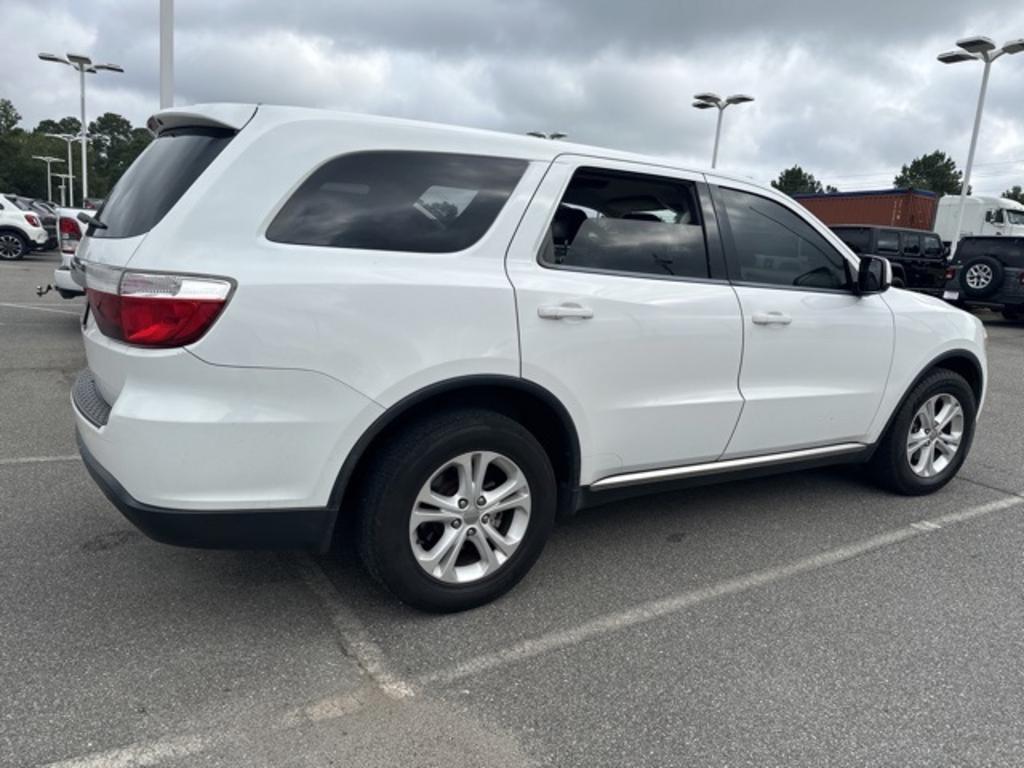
x,y
625,222
932,247
425,202
773,245
911,244
859,239
887,242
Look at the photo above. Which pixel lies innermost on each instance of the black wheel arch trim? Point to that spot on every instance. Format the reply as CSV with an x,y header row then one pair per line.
x,y
569,491
936,362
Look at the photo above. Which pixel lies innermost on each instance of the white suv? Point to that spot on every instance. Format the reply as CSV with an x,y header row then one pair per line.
x,y
296,317
21,229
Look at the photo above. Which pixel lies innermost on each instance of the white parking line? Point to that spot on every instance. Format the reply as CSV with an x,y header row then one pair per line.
x,y
137,755
655,609
76,313
353,634
40,459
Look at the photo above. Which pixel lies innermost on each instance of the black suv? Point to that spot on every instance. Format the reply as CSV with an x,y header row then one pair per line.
x,y
918,257
988,272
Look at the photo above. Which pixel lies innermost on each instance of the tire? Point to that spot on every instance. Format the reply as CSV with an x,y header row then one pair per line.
x,y
893,464
425,452
898,282
981,277
13,245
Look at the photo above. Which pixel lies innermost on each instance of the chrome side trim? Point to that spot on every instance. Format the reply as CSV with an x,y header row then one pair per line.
x,y
729,465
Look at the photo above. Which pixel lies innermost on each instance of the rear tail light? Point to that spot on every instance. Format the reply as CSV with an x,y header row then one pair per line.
x,y
950,273
32,219
70,234
153,310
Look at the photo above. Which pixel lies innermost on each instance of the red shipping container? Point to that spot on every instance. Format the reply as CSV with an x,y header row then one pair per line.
x,y
912,208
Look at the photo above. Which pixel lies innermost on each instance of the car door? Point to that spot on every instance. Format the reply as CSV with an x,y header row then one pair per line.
x,y
626,314
816,356
912,260
933,259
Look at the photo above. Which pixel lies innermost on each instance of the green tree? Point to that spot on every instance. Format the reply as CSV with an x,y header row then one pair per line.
x,y
9,117
1015,193
64,125
936,172
796,181
115,146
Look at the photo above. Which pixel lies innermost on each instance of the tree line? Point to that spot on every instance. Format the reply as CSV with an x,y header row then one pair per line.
x,y
114,146
935,171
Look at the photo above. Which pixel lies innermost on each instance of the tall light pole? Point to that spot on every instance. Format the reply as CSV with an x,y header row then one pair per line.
x,y
85,67
709,100
981,49
166,54
69,139
49,184
70,179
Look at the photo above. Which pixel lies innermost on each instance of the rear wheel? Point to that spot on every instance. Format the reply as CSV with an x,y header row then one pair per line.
x,y
981,277
12,246
929,437
456,509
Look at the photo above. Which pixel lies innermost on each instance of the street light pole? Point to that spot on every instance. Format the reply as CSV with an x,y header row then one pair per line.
x,y
981,49
49,184
84,66
712,100
166,54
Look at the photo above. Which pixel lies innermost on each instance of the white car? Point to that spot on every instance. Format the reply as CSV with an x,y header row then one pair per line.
x,y
70,231
454,335
21,229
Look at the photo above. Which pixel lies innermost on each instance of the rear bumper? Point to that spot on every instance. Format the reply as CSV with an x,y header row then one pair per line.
x,y
235,529
63,280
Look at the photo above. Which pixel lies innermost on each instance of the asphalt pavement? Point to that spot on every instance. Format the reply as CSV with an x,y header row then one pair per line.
x,y
801,620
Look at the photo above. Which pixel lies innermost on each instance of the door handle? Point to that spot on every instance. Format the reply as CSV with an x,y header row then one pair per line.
x,y
563,311
771,318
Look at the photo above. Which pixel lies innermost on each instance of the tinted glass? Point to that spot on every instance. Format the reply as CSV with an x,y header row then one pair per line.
x,y
628,223
911,244
1009,251
1014,217
932,246
887,241
773,245
157,180
858,238
427,202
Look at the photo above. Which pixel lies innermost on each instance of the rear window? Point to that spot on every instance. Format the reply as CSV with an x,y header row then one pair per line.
x,y
1009,251
858,239
426,202
158,179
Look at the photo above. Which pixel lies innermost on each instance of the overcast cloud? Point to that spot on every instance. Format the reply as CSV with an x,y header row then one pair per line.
x,y
849,90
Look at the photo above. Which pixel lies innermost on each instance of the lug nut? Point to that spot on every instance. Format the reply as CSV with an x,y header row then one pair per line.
x,y
485,519
471,532
463,503
481,501
456,523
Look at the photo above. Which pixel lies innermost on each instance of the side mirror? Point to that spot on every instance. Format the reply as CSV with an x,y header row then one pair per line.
x,y
874,275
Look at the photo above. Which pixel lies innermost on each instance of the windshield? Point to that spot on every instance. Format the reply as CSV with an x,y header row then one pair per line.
x,y
1013,217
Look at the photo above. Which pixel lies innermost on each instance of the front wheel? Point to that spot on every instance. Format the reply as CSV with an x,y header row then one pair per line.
x,y
12,246
456,509
929,437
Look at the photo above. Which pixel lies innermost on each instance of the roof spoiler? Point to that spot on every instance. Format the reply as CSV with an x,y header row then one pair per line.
x,y
232,116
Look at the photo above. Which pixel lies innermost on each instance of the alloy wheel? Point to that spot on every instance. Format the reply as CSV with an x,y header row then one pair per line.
x,y
936,432
10,246
979,276
470,517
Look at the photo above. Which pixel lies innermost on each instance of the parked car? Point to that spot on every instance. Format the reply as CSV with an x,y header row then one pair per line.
x,y
918,258
988,272
21,229
449,336
68,284
47,217
997,216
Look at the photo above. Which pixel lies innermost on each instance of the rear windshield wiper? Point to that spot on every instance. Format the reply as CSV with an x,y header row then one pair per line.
x,y
91,221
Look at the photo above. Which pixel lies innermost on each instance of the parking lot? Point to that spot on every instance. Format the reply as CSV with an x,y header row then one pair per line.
x,y
806,619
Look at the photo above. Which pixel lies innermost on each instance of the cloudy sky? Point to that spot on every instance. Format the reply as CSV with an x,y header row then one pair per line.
x,y
850,90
